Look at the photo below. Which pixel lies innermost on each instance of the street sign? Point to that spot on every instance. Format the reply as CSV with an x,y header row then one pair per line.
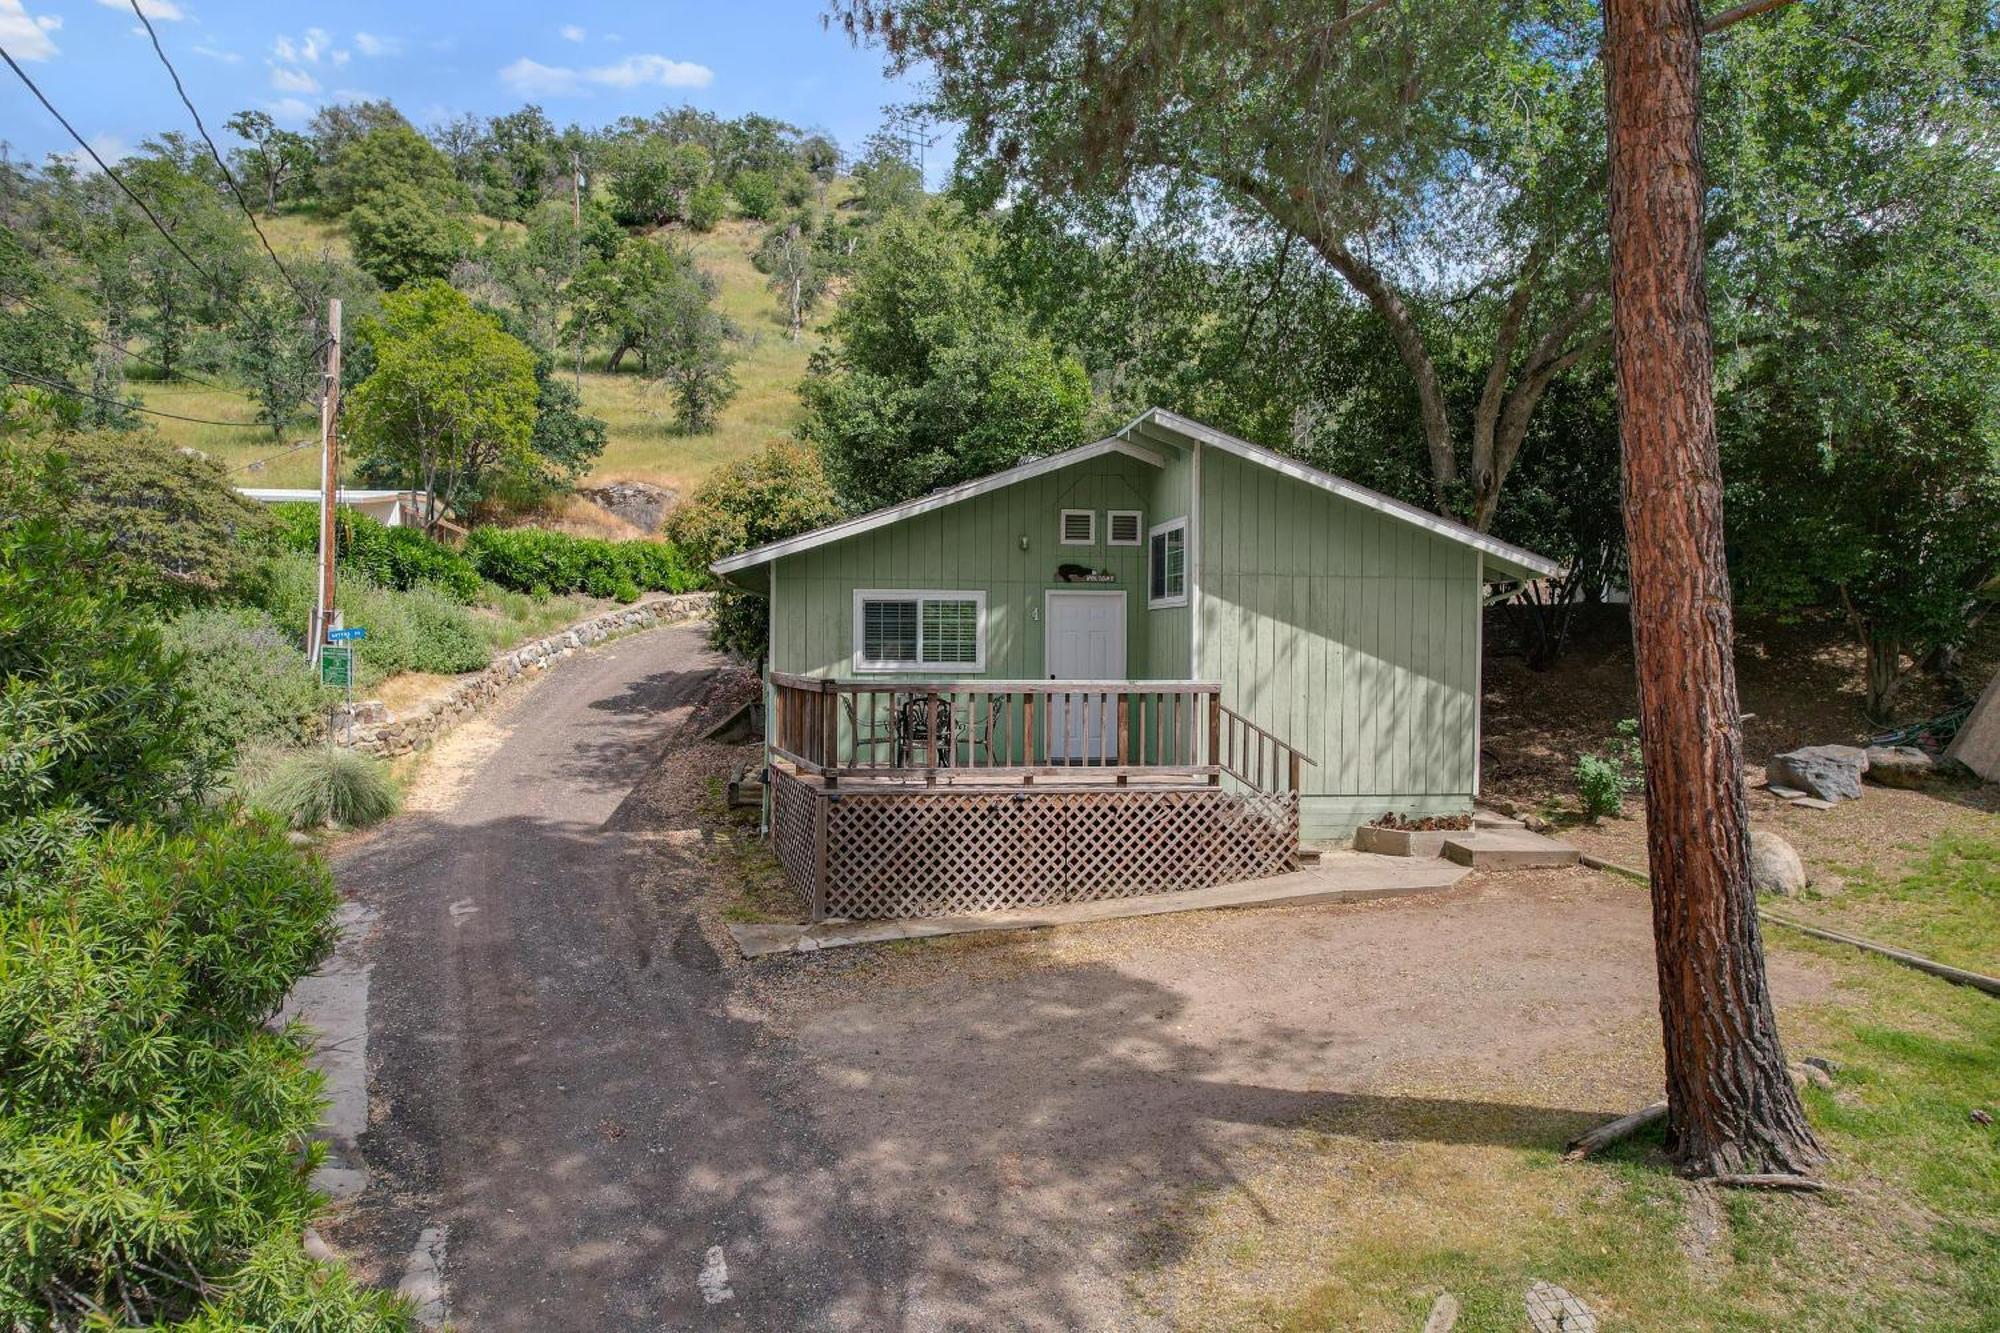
x,y
346,635
336,666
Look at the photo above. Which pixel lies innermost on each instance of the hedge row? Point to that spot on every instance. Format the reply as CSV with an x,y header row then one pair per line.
x,y
531,560
391,557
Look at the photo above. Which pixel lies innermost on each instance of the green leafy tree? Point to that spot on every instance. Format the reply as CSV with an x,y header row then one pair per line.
x,y
401,236
756,194
385,157
274,160
706,205
37,336
779,492
1433,156
687,346
451,398
651,179
932,377
1858,309
889,182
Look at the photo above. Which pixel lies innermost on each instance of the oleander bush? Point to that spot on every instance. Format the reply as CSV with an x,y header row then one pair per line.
x,y
402,558
155,1164
530,559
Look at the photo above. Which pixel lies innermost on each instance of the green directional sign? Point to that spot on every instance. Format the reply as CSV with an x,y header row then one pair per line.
x,y
336,666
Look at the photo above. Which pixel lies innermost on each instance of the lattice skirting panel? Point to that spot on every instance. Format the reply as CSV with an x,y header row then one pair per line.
x,y
883,855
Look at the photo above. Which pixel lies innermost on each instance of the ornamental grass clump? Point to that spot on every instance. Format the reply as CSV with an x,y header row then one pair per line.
x,y
326,785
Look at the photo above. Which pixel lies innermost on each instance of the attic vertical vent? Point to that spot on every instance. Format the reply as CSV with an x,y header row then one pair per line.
x,y
1079,527
1122,527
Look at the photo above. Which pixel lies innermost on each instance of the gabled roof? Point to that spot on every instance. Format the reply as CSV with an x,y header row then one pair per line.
x,y
1154,424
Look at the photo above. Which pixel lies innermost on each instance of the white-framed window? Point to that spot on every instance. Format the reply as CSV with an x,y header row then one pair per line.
x,y
1166,564
910,629
1124,527
1077,528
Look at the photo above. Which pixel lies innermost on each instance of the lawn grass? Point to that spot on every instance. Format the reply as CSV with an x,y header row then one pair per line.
x,y
642,444
1370,1212
1943,909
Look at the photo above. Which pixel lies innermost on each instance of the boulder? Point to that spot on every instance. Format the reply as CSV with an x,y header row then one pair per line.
x,y
639,504
1829,772
1775,866
1899,765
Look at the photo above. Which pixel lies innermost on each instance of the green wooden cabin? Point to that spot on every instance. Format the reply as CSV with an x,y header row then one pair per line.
x,y
1228,617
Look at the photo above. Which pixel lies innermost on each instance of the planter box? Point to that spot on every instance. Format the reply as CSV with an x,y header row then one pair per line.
x,y
1401,842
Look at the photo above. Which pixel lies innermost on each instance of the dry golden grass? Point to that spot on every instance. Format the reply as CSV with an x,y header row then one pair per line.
x,y
642,445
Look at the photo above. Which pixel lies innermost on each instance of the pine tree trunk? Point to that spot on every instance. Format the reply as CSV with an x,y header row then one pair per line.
x,y
1732,1106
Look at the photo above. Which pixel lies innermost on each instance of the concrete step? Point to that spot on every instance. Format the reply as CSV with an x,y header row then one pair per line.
x,y
1490,819
1507,849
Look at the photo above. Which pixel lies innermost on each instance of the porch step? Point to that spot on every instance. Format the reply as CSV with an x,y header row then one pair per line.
x,y
1488,819
1508,849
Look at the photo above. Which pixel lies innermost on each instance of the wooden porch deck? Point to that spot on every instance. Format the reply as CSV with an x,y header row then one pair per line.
x,y
916,799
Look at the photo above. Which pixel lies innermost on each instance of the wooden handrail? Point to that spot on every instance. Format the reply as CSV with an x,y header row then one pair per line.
x,y
1024,729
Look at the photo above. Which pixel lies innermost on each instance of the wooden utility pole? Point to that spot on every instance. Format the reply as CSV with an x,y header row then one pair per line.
x,y
1732,1109
329,481
576,190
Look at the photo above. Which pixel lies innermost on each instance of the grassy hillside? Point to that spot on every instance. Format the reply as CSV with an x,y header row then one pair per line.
x,y
643,444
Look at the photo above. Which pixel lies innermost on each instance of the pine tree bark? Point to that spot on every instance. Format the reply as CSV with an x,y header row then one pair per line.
x,y
1732,1106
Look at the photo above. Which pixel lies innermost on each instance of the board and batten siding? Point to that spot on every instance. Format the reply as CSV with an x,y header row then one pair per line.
x,y
1352,635
974,545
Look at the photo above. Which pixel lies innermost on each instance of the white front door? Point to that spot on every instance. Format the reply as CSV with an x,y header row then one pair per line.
x,y
1085,640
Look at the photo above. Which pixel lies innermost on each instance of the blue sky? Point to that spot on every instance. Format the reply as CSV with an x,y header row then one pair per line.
x,y
581,61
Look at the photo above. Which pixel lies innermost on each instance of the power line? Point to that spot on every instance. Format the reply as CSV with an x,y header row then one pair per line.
x,y
216,153
113,344
256,463
119,181
75,392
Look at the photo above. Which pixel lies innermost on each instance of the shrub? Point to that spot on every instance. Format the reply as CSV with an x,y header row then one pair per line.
x,y
420,629
1599,786
756,194
777,493
530,558
246,679
94,724
706,206
175,531
153,1136
1603,778
327,785
392,557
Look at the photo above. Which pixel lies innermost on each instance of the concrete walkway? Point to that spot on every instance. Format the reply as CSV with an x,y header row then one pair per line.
x,y
1339,877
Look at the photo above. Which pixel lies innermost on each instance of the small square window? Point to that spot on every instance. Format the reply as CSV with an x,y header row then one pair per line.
x,y
1079,527
1124,527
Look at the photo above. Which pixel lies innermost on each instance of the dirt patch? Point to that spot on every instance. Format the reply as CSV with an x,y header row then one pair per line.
x,y
1051,1103
1884,833
1800,683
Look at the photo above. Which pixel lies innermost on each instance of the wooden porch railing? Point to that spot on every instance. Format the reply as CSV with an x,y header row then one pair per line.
x,y
1021,730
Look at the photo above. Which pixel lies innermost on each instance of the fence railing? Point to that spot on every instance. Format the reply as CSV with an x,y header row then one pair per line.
x,y
1017,730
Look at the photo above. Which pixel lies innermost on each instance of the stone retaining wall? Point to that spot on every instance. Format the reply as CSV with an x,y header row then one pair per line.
x,y
378,733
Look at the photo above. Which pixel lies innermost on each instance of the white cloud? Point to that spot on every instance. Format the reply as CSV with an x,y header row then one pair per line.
x,y
370,44
164,10
533,78
633,71
572,33
109,147
305,50
216,53
289,80
290,109
24,36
